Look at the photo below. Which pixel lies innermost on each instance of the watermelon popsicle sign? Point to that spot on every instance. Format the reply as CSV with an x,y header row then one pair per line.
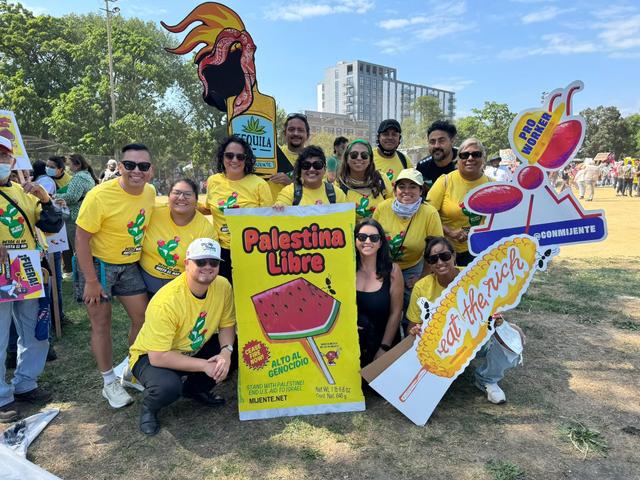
x,y
297,310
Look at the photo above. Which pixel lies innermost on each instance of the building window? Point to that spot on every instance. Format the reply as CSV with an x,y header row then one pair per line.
x,y
368,69
349,69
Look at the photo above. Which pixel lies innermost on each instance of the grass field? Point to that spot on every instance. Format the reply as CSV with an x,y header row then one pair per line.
x,y
573,409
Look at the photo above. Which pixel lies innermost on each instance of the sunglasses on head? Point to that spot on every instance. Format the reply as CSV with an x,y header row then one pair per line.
x,y
240,156
301,116
363,155
362,237
212,262
131,166
316,164
444,256
465,155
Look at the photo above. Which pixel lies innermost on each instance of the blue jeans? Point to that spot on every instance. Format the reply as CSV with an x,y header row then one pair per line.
x,y
493,361
32,353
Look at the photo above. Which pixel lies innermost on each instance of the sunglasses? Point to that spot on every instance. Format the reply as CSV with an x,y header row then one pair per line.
x,y
317,165
444,256
362,237
212,262
301,116
131,166
240,156
465,155
362,155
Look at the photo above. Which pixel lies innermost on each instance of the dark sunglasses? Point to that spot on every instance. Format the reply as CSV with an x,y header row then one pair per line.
x,y
131,166
212,262
317,165
444,256
240,156
465,155
362,237
363,155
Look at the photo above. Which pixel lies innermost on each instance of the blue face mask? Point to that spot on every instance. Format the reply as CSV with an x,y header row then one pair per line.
x,y
51,172
5,171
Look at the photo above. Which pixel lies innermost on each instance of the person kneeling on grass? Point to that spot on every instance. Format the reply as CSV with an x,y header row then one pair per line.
x,y
178,339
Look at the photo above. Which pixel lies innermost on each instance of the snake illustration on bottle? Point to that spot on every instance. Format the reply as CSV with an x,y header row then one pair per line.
x,y
15,225
196,335
137,227
165,250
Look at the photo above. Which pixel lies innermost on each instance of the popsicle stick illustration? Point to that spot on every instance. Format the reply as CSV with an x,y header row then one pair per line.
x,y
298,311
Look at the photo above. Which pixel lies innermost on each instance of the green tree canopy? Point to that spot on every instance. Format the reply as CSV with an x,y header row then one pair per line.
x,y
606,132
490,125
427,110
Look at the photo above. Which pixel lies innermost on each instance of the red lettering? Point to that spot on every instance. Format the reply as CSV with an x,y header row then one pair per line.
x,y
443,346
249,239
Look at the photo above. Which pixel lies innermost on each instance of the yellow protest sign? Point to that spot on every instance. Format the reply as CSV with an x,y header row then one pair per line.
x,y
10,130
295,298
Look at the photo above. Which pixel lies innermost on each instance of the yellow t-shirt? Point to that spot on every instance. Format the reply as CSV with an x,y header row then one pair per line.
x,y
117,220
427,287
446,195
176,320
249,192
388,167
365,202
165,243
424,223
62,182
310,196
14,232
292,157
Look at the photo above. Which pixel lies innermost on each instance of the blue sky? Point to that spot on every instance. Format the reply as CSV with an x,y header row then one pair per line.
x,y
509,51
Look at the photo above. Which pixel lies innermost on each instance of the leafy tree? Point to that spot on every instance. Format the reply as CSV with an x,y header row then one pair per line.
x,y
607,131
633,128
427,110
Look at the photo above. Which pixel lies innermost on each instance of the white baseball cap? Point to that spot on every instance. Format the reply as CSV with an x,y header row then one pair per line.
x,y
6,144
204,248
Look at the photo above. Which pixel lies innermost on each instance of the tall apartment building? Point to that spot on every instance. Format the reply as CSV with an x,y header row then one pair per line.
x,y
371,93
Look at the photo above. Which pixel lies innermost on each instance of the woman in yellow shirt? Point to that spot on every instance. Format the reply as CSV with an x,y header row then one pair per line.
x,y
494,358
360,181
448,192
172,228
309,187
235,186
408,222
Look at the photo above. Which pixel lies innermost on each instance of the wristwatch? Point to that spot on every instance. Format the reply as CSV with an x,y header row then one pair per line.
x,y
385,348
228,347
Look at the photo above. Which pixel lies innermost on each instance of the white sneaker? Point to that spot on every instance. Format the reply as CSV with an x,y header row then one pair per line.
x,y
495,393
116,395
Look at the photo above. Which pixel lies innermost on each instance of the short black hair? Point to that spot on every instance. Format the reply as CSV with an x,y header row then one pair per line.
x,y
58,160
340,141
39,169
137,147
250,158
308,152
445,126
189,182
299,116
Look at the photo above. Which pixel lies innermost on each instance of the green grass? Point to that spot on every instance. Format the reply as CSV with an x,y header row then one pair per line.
x,y
584,439
501,470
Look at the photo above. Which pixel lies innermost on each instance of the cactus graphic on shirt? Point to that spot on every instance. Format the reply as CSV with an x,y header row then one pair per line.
x,y
165,250
395,245
389,174
231,202
362,209
196,335
474,219
15,225
137,227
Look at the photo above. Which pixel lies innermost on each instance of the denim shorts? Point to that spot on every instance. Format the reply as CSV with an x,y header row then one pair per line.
x,y
117,280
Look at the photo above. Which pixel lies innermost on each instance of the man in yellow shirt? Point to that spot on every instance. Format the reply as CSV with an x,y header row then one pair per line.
x,y
296,134
177,338
22,208
110,231
388,160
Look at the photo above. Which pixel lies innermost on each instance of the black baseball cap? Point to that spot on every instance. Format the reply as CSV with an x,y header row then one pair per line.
x,y
387,124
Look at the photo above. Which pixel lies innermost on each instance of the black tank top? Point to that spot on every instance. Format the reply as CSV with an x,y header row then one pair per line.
x,y
376,305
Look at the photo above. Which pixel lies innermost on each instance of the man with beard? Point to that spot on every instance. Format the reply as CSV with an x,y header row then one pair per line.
x,y
443,154
388,160
296,134
178,338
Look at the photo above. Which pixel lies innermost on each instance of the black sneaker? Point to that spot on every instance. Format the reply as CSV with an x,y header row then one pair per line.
x,y
9,413
149,424
206,398
37,395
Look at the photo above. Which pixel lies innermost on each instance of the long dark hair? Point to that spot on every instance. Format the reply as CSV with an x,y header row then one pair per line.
x,y
250,158
308,152
384,265
79,161
39,169
372,176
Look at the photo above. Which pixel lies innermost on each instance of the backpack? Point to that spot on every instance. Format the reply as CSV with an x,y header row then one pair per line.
x,y
402,158
328,188
379,184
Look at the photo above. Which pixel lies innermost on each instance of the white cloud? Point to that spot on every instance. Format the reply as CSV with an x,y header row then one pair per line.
x,y
544,14
301,10
454,84
621,34
556,44
402,22
393,45
36,10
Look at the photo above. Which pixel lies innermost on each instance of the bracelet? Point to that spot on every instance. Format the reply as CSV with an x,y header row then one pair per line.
x,y
384,347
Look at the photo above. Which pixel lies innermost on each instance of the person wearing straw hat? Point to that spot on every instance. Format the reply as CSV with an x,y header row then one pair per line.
x,y
178,339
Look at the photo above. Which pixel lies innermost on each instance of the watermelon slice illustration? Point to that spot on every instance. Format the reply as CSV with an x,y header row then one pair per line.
x,y
297,310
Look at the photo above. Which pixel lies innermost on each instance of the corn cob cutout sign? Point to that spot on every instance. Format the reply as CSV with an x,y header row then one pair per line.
x,y
457,325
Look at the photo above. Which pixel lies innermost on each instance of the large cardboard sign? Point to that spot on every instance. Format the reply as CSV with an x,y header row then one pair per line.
x,y
544,140
21,276
456,326
227,70
9,129
294,278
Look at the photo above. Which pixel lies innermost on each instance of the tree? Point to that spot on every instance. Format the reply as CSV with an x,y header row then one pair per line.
x,y
607,131
427,110
323,140
633,128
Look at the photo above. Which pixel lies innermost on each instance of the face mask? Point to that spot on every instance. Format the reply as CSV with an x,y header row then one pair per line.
x,y
51,172
5,171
